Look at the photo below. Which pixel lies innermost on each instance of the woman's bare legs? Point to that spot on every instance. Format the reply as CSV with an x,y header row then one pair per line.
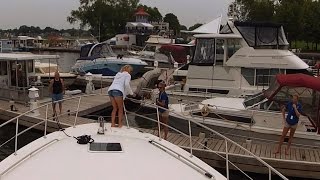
x,y
119,102
284,133
114,112
292,131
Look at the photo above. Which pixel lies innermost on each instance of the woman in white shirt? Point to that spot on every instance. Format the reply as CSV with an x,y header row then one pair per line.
x,y
118,91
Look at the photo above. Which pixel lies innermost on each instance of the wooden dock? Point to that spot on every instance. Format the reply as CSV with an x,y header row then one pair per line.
x,y
301,162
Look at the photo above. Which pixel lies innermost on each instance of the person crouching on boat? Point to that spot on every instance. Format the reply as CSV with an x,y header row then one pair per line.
x,y
290,122
118,91
57,90
163,102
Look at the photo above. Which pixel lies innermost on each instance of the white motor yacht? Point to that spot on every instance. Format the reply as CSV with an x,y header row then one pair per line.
x,y
241,60
258,117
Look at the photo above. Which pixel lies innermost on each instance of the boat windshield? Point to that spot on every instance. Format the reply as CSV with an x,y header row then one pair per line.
x,y
103,50
254,100
263,35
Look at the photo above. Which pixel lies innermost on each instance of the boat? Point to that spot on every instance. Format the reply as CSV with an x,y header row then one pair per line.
x,y
164,51
96,150
100,59
241,60
258,117
17,75
46,71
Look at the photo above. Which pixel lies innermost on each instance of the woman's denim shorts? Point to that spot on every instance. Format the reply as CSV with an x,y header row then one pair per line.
x,y
115,93
57,97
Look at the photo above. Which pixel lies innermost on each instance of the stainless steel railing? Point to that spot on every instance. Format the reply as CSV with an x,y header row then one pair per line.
x,y
79,99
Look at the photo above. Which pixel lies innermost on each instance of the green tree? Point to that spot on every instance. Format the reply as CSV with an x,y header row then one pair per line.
x,y
154,13
105,18
183,27
195,26
173,21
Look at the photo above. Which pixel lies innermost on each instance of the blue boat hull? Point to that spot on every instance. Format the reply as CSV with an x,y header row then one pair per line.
x,y
111,69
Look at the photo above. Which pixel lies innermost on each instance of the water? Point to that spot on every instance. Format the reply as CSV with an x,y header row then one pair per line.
x,y
8,132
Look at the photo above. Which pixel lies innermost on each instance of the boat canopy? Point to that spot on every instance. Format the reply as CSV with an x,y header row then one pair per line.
x,y
262,34
179,53
93,51
25,56
292,81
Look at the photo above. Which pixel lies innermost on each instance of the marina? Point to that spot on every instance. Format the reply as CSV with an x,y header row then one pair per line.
x,y
235,96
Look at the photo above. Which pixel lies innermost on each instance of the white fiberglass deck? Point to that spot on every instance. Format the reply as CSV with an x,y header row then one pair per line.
x,y
140,159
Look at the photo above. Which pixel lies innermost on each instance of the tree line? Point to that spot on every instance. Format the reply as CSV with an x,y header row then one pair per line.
x,y
300,18
109,17
33,31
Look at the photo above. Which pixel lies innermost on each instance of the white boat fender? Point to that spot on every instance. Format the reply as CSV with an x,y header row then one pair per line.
x,y
205,110
74,92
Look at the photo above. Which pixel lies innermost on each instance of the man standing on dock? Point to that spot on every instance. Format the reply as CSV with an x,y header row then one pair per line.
x,y
56,89
290,122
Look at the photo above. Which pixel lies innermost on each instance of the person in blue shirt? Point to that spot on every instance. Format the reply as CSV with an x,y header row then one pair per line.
x,y
163,102
290,122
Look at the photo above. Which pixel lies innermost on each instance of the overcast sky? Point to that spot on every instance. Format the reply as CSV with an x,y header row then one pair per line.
x,y
53,13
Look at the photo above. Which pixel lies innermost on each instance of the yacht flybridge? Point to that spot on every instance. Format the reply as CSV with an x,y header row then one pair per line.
x,y
241,60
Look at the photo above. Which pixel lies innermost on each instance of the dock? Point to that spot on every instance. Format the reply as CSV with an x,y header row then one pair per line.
x,y
301,162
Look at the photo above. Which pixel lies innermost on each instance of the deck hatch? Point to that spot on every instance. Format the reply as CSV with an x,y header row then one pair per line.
x,y
105,147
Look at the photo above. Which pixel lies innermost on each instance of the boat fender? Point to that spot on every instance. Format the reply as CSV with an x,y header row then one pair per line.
x,y
205,110
84,139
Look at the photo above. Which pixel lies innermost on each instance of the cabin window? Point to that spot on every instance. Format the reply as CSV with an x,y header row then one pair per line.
x,y
30,66
3,68
220,51
205,52
248,75
233,46
265,76
22,74
226,30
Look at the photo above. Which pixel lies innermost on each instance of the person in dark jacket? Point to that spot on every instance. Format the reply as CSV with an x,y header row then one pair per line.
x,y
56,89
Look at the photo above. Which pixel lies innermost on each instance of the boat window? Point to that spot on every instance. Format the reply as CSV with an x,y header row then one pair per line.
x,y
3,68
30,66
13,75
205,52
150,48
265,76
248,75
22,74
52,69
233,46
263,35
226,30
220,51
105,147
85,50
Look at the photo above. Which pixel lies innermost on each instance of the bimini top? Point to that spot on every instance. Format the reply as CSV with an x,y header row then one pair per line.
x,y
119,154
25,56
298,80
292,81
